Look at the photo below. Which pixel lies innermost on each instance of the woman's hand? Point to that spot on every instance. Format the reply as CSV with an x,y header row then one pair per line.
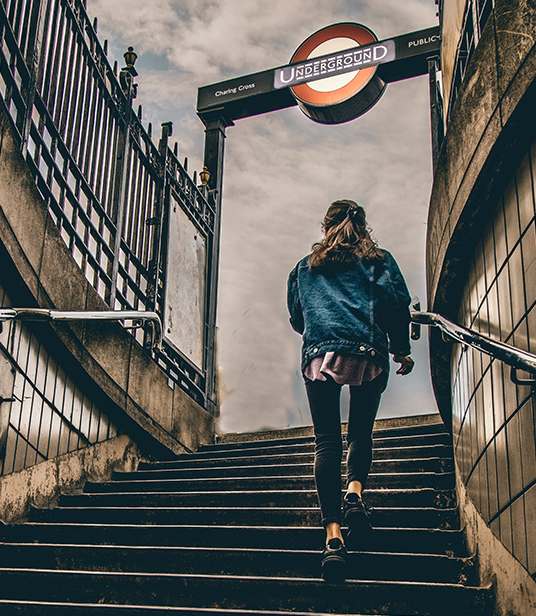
x,y
406,364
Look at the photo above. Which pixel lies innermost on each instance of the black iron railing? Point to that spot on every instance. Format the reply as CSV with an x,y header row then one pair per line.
x,y
512,356
108,187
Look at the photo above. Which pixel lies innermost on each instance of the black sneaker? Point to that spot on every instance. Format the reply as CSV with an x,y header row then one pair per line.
x,y
356,517
334,561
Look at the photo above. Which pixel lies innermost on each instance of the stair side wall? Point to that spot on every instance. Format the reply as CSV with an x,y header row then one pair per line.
x,y
515,590
39,271
42,484
481,273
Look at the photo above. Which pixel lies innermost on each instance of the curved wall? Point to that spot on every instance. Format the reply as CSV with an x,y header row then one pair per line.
x,y
481,271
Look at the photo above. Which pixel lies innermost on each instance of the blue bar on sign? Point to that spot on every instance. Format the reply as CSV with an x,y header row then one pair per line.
x,y
335,64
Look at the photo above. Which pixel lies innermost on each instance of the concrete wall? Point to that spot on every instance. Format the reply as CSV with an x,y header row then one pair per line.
x,y
482,216
490,126
41,485
515,590
39,271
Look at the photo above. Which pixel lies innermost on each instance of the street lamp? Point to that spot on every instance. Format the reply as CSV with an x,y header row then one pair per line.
x,y
127,74
204,176
130,59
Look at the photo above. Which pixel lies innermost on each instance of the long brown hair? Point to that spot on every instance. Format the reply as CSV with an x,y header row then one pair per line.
x,y
347,238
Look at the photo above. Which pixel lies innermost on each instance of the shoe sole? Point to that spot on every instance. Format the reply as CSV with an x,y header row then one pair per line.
x,y
334,569
360,531
358,521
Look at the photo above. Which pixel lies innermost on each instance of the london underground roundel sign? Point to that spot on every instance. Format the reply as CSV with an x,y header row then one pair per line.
x,y
331,78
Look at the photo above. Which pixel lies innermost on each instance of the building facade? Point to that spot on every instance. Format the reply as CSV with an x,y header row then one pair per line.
x,y
481,258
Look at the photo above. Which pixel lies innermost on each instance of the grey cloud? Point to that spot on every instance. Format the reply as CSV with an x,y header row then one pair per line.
x,y
281,172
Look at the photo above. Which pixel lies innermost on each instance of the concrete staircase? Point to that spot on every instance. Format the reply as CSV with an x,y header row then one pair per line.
x,y
234,529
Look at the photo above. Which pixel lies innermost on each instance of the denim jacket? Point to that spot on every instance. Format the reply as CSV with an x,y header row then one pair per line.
x,y
363,310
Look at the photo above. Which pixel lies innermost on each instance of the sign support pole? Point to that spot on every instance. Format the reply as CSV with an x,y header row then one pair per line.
x,y
436,109
215,126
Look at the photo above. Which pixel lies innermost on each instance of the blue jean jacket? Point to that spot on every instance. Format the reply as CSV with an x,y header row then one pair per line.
x,y
361,311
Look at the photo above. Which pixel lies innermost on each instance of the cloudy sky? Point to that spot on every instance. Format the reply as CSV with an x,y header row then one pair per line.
x,y
281,172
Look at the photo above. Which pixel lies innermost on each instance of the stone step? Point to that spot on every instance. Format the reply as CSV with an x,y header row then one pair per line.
x,y
241,516
382,427
379,453
41,608
287,459
231,561
439,481
392,540
424,497
432,428
305,444
246,593
431,465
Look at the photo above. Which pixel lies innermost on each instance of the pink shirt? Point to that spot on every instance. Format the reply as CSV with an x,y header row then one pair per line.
x,y
344,369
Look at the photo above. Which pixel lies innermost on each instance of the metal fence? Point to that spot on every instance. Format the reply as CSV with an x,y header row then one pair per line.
x,y
43,412
108,187
475,18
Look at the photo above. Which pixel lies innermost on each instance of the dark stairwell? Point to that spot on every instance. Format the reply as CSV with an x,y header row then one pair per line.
x,y
234,529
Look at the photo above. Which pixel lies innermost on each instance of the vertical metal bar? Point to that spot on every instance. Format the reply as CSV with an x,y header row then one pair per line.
x,y
33,59
74,98
47,17
85,120
100,161
97,141
90,130
161,202
213,160
436,109
57,63
17,21
121,190
25,32
132,199
80,105
49,55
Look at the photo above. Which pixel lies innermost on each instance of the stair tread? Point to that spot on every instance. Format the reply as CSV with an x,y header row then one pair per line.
x,y
260,578
248,550
223,549
265,477
70,608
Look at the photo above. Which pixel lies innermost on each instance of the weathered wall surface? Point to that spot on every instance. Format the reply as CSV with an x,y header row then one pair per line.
x,y
515,590
480,251
490,126
42,484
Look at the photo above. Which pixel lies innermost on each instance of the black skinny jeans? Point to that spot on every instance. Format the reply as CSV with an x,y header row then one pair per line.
x,y
324,402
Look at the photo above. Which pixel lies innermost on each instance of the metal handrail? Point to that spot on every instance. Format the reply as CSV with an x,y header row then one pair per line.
x,y
138,317
514,357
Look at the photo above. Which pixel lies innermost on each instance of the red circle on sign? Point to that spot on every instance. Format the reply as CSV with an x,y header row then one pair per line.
x,y
357,32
